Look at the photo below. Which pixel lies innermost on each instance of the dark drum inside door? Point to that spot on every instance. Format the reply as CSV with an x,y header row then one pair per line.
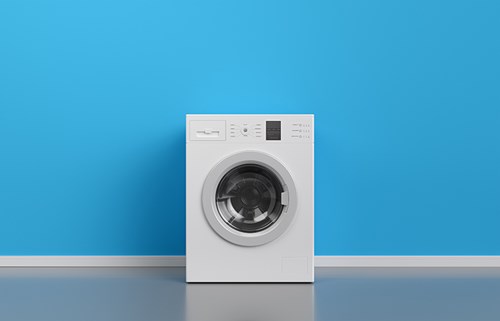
x,y
249,198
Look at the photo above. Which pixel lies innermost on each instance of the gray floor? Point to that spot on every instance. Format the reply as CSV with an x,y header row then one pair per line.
x,y
160,294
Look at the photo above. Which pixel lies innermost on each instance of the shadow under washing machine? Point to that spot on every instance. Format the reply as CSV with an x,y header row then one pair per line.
x,y
256,302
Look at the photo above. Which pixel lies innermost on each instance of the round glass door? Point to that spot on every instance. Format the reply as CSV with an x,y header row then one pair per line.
x,y
249,198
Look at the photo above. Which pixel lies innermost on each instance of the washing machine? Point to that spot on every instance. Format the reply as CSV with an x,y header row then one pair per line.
x,y
249,198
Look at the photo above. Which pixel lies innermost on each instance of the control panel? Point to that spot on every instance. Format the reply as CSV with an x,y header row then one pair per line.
x,y
251,128
245,129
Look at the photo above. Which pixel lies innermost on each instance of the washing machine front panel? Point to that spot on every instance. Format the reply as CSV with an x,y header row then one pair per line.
x,y
249,198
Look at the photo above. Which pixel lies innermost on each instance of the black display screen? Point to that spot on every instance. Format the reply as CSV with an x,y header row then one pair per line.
x,y
273,130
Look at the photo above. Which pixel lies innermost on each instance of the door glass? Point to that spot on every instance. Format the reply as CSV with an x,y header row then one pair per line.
x,y
249,198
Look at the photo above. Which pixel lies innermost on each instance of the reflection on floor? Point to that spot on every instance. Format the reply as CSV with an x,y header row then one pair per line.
x,y
345,294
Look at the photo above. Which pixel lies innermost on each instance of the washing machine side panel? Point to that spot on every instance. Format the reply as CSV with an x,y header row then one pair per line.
x,y
289,258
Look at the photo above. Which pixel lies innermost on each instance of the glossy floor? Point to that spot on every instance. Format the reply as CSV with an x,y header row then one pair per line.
x,y
145,294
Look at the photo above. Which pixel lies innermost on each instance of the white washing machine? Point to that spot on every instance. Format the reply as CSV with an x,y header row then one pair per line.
x,y
249,198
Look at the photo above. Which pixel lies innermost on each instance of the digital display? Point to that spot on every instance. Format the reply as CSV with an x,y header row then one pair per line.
x,y
273,130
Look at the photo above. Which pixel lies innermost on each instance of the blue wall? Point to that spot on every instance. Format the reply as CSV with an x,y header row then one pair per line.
x,y
93,96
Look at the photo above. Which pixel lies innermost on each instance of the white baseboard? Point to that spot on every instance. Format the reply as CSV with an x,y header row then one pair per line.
x,y
407,261
180,261
92,261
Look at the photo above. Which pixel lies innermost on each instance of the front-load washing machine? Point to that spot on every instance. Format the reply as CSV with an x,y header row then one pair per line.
x,y
249,198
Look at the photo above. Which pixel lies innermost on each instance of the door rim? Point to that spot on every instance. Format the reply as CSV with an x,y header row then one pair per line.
x,y
216,221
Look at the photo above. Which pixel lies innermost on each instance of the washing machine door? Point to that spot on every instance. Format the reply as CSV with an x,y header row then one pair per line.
x,y
249,198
